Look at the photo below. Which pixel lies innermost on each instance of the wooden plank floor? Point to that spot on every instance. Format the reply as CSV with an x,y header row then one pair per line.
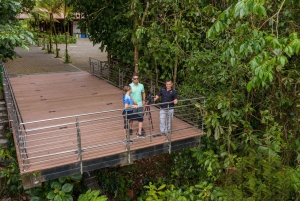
x,y
47,96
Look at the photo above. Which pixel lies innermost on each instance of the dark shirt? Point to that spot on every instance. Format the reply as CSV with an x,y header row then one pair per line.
x,y
167,96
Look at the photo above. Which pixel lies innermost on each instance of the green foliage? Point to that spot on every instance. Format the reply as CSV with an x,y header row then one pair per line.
x,y
115,181
108,25
60,39
155,193
92,196
12,34
60,189
184,169
10,172
243,55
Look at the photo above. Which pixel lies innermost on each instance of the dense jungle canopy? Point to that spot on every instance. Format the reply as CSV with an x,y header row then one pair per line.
x,y
243,56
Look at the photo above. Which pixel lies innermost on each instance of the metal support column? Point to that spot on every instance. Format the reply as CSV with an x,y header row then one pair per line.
x,y
127,142
169,131
79,146
90,62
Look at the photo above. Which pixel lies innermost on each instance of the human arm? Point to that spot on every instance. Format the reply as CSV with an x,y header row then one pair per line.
x,y
130,106
129,103
175,98
144,98
156,97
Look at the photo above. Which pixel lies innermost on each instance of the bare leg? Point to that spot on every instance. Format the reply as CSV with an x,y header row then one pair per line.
x,y
140,127
131,123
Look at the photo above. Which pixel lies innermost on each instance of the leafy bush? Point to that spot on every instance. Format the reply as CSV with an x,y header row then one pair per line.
x,y
61,39
10,171
60,189
92,196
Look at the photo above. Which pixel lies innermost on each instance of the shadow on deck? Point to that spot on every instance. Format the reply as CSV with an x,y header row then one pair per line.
x,y
76,139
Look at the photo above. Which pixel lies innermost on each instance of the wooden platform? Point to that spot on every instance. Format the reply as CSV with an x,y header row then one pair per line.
x,y
84,115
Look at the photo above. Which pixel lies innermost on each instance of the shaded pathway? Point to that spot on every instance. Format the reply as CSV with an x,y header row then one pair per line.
x,y
37,61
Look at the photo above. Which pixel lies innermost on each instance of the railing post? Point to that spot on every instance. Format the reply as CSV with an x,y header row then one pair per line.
x,y
169,131
79,146
100,67
202,124
90,66
128,139
15,118
108,71
120,79
122,75
22,147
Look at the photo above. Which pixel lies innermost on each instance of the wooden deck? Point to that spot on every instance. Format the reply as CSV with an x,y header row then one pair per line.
x,y
52,146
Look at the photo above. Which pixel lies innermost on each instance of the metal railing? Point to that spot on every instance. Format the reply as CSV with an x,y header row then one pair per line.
x,y
121,78
15,121
74,139
86,136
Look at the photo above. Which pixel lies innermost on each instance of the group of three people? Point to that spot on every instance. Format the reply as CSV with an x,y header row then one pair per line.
x,y
134,99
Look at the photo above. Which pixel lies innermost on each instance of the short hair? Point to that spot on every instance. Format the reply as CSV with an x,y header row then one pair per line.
x,y
126,88
135,74
169,80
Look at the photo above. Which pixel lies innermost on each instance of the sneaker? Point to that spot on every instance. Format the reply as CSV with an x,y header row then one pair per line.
x,y
143,131
141,135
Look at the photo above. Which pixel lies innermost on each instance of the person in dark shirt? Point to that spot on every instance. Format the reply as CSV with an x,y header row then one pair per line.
x,y
168,96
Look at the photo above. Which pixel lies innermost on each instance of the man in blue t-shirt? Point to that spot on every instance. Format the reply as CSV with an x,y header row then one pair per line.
x,y
168,96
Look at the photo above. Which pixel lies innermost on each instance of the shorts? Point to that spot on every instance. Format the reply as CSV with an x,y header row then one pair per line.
x,y
129,115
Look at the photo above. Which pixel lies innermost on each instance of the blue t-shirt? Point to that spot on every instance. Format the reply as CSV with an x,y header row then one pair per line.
x,y
127,100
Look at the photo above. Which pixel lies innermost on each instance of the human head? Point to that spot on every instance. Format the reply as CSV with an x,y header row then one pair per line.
x,y
126,89
169,84
135,78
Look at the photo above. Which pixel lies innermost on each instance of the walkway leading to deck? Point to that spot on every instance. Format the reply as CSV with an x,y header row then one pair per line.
x,y
70,121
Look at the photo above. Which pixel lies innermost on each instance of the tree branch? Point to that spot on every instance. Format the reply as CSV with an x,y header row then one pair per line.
x,y
277,13
145,13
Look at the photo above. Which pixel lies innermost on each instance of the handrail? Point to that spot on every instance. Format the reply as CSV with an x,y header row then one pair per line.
x,y
119,77
12,93
92,133
86,136
102,112
15,114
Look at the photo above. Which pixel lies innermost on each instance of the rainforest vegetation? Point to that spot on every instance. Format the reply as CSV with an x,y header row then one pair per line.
x,y
243,56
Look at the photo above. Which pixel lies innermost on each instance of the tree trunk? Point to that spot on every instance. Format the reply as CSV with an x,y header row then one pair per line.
x,y
50,36
135,42
56,43
175,71
136,58
67,57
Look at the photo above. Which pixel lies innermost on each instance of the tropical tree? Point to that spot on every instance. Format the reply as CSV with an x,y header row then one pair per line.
x,y
68,14
51,7
109,26
12,33
243,55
